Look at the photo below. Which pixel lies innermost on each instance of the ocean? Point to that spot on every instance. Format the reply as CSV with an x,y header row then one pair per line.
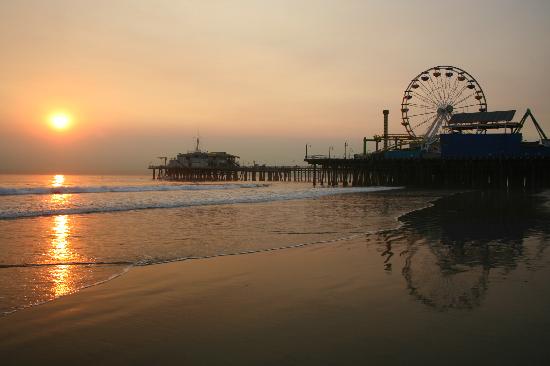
x,y
62,233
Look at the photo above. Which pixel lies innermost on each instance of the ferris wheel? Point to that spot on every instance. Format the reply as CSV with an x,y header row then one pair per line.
x,y
434,95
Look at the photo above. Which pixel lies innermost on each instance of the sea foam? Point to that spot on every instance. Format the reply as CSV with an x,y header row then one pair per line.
x,y
9,191
255,196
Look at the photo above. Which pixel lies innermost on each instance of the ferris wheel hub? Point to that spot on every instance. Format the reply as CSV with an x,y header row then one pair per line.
x,y
445,110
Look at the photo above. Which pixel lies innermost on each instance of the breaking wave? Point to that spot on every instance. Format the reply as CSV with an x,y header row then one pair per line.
x,y
256,197
7,191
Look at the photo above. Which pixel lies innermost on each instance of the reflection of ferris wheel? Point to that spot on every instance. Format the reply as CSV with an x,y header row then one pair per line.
x,y
434,95
437,278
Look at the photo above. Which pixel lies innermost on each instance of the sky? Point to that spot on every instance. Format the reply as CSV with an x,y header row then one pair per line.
x,y
259,79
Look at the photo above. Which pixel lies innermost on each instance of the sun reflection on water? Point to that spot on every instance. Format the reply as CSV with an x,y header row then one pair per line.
x,y
60,240
60,251
59,199
58,180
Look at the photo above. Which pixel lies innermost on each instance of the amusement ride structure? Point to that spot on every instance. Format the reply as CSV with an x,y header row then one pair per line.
x,y
446,100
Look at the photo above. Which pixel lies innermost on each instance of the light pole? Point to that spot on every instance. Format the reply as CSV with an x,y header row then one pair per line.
x,y
329,149
307,145
345,150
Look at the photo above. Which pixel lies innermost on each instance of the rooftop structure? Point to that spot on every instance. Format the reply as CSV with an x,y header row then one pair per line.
x,y
483,121
204,159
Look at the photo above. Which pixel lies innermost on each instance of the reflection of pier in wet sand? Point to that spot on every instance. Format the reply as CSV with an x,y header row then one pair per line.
x,y
447,252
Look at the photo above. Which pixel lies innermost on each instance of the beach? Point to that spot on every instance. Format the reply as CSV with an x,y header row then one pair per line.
x,y
400,295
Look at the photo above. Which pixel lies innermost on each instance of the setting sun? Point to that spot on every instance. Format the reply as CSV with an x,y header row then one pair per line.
x,y
60,121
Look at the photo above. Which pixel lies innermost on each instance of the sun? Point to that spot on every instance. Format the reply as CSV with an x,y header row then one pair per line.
x,y
60,121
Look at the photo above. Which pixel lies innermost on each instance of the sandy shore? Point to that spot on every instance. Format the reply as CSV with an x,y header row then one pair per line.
x,y
324,304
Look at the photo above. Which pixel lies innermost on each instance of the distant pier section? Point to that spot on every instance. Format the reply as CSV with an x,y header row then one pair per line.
x,y
260,173
203,166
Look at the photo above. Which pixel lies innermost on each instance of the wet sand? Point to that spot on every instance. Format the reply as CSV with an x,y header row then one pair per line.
x,y
324,305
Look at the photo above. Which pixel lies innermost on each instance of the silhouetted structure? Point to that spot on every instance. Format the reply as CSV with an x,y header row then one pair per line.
x,y
261,173
445,145
204,166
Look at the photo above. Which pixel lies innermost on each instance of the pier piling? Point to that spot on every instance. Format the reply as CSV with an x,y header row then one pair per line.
x,y
498,173
237,173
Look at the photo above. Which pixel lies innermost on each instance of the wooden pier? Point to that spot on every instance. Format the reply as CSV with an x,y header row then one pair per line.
x,y
499,173
255,173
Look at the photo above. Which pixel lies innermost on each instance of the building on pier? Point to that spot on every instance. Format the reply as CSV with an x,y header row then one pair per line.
x,y
201,159
204,159
203,166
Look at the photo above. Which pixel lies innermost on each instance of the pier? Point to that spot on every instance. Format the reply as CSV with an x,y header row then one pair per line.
x,y
254,173
500,173
445,146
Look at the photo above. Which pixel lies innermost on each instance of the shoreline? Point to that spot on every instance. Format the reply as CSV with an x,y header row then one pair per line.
x,y
129,267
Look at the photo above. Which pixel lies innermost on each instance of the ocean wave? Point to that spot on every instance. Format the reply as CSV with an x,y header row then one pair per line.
x,y
10,191
256,198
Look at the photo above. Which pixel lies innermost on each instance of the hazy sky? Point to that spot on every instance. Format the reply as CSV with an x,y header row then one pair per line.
x,y
259,79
